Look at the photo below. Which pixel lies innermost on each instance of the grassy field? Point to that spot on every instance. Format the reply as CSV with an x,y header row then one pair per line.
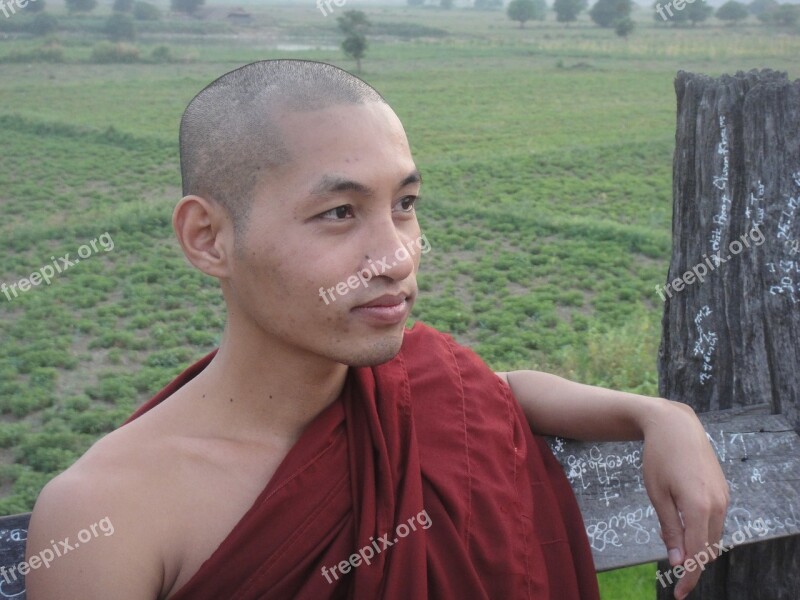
x,y
546,153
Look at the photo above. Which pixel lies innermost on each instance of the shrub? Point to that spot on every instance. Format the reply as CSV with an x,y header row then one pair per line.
x,y
161,54
624,27
50,53
108,52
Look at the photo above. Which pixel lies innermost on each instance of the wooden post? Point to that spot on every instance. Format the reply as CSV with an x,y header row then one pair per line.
x,y
731,326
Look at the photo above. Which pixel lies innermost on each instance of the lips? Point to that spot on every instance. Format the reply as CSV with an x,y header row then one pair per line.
x,y
386,310
387,300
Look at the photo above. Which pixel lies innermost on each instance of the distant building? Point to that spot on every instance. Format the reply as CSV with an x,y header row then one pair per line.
x,y
239,15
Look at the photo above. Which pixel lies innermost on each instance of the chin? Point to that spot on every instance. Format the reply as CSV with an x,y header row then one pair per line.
x,y
379,352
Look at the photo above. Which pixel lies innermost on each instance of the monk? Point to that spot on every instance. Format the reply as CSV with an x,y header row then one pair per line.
x,y
324,450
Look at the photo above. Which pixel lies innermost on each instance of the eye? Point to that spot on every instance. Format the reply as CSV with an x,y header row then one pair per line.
x,y
407,204
339,213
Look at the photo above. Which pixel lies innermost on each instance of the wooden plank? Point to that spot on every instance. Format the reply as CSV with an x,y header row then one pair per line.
x,y
730,338
13,533
760,455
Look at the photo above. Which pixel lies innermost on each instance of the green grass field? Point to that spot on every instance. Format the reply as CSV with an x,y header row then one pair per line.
x,y
546,153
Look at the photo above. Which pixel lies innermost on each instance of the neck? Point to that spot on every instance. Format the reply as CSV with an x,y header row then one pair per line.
x,y
259,388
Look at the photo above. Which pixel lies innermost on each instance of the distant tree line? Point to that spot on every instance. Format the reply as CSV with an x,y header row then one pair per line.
x,y
616,13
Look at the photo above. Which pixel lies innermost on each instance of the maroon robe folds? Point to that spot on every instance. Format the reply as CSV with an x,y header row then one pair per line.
x,y
428,461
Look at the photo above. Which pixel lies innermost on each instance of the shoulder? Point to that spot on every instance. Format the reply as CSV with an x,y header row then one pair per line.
x,y
94,524
428,350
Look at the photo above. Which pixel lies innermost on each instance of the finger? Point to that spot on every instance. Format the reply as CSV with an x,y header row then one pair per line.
x,y
671,526
696,540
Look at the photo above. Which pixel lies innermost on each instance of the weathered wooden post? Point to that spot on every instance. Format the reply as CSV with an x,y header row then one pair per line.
x,y
731,326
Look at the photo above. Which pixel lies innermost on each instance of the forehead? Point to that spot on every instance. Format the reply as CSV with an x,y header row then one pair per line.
x,y
344,134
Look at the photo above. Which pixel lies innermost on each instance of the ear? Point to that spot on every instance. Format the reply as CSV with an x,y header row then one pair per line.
x,y
205,233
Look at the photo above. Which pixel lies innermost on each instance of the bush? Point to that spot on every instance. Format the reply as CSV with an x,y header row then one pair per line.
x,y
624,27
107,52
120,27
407,30
144,11
161,54
43,24
51,53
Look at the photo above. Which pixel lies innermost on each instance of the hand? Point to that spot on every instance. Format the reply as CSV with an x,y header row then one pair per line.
x,y
686,486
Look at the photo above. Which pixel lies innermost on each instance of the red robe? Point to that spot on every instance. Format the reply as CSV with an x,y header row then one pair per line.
x,y
434,439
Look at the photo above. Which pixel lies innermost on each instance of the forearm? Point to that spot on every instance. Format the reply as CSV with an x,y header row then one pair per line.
x,y
556,406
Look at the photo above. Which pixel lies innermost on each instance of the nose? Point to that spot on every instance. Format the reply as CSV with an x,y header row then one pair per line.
x,y
389,250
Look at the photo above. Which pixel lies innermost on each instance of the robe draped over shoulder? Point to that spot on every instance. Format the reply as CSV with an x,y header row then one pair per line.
x,y
427,460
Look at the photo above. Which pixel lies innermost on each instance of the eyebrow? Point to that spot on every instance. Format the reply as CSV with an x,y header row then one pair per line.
x,y
331,184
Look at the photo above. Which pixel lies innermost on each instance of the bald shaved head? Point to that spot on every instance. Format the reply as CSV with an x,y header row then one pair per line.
x,y
230,135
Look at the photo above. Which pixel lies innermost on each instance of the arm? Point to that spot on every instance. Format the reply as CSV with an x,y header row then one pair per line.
x,y
681,472
81,545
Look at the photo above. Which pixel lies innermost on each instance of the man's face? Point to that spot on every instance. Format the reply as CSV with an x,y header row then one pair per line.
x,y
332,230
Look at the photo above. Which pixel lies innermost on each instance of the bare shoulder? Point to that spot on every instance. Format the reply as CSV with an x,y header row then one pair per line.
x,y
94,530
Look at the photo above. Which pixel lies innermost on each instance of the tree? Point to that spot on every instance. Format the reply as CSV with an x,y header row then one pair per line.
x,y
188,7
76,6
693,13
784,15
144,11
525,10
732,11
488,4
34,6
624,27
354,46
43,24
567,11
123,6
760,7
606,13
353,21
120,27
698,12
354,24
